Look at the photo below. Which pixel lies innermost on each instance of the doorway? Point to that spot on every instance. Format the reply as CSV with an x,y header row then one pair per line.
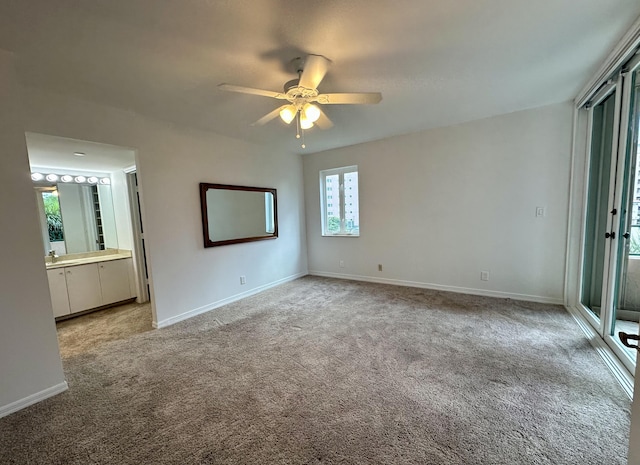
x,y
89,229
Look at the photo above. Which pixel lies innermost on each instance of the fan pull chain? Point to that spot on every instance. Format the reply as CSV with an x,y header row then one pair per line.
x,y
299,130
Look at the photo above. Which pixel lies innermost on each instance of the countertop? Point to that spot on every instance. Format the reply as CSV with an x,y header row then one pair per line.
x,y
85,260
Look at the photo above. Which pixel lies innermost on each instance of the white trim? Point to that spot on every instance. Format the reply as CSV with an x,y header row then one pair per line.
x,y
33,399
570,207
441,287
140,266
620,53
585,203
617,368
129,169
212,306
615,188
604,92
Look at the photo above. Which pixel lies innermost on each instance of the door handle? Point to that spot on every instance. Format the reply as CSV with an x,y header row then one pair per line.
x,y
624,337
626,235
611,235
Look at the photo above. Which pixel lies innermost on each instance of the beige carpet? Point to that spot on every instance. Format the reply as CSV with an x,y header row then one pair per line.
x,y
322,371
89,332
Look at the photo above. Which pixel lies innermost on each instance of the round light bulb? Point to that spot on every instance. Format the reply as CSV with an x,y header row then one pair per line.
x,y
37,176
66,178
311,112
105,181
92,180
52,177
288,113
80,179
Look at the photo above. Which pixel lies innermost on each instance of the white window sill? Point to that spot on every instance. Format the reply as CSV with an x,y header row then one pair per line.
x,y
341,235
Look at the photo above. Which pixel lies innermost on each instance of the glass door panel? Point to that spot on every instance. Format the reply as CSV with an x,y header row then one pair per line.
x,y
626,301
598,192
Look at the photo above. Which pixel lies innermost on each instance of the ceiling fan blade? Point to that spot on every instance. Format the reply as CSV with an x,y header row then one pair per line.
x,y
252,91
324,122
358,98
315,67
268,117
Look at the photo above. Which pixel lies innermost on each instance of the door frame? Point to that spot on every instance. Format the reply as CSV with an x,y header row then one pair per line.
x,y
605,324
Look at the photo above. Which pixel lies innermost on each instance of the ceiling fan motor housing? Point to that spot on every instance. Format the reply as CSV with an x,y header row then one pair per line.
x,y
296,93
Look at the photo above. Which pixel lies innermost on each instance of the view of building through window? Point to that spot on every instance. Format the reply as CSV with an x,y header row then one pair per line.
x,y
634,241
340,201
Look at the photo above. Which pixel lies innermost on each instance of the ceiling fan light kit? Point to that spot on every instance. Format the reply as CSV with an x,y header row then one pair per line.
x,y
302,94
288,113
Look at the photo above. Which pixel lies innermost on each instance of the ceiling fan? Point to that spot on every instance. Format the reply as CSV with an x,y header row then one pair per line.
x,y
302,96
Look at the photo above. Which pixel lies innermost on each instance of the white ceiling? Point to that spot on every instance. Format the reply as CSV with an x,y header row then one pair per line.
x,y
436,62
58,153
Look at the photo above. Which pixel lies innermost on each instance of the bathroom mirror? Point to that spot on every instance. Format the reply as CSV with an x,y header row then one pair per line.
x,y
234,214
76,218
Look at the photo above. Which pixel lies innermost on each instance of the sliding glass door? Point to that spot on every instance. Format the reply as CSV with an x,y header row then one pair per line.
x,y
610,290
599,193
626,300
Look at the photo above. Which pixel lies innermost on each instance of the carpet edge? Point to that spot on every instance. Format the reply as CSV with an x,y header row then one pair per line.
x,y
213,305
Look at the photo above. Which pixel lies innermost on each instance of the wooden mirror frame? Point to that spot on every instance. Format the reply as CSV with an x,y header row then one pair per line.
x,y
204,187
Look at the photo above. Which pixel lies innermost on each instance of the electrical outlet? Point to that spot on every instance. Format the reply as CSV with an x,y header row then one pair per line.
x,y
484,276
380,267
540,212
243,280
341,263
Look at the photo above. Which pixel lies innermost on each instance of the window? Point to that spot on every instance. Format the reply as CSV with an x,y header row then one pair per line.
x,y
337,220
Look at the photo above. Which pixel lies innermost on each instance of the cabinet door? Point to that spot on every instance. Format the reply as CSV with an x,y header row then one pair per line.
x,y
114,280
58,291
83,287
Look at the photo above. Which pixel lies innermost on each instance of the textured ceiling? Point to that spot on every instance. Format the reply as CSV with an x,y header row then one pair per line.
x,y
436,63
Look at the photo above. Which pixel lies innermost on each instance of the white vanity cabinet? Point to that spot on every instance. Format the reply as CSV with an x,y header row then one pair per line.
x,y
58,290
114,281
76,288
83,287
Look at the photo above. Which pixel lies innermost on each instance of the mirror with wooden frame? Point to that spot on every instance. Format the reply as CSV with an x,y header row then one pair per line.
x,y
235,214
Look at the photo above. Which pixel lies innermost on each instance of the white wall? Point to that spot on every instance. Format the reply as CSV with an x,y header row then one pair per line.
x,y
439,206
634,437
30,367
122,213
108,216
171,162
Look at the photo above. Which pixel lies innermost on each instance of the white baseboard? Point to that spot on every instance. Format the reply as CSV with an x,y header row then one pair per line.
x,y
616,367
441,287
32,399
220,303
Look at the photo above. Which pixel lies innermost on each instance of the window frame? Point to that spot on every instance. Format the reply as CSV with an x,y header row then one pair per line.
x,y
342,200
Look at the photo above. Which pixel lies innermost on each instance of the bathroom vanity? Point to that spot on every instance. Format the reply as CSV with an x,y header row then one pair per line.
x,y
82,282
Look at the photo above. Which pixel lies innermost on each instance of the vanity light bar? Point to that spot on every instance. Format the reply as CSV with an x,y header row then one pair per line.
x,y
51,177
